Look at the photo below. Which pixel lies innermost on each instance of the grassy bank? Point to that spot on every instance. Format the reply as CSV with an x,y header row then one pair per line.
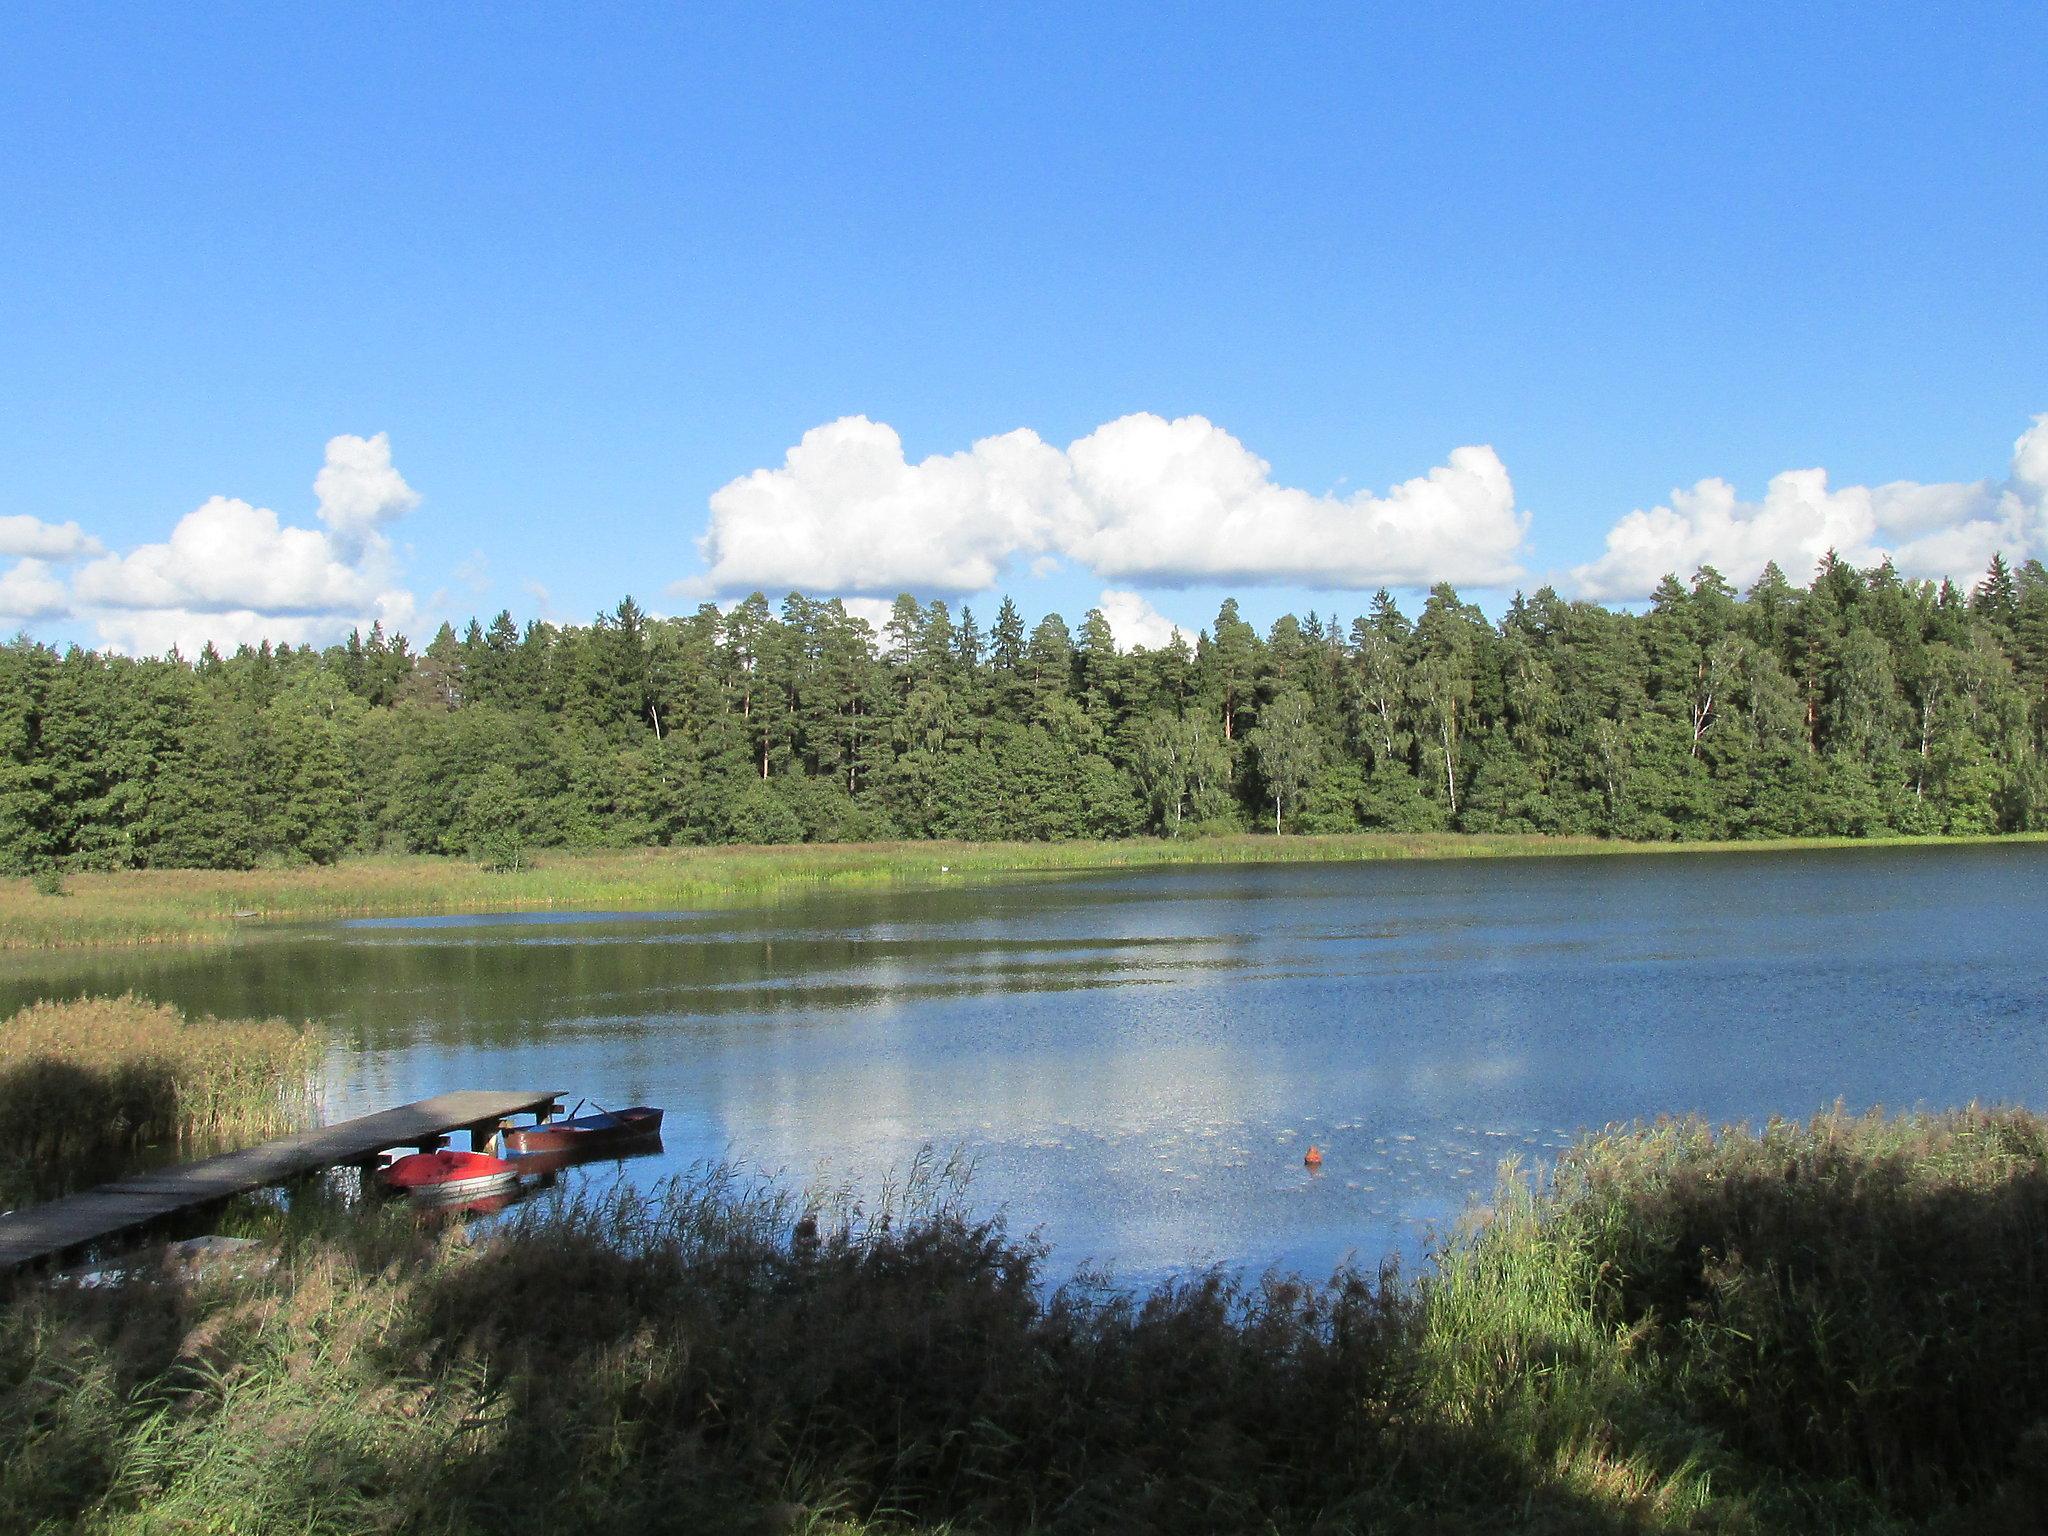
x,y
1829,1327
86,1087
209,906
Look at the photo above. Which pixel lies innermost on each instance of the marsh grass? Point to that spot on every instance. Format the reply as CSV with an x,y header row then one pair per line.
x,y
212,906
87,1086
715,1356
720,1354
1854,1297
1834,1321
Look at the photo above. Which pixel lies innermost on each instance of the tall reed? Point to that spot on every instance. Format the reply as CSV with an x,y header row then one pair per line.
x,y
1847,1302
86,1085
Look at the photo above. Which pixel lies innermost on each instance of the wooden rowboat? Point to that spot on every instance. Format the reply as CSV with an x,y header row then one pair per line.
x,y
590,1135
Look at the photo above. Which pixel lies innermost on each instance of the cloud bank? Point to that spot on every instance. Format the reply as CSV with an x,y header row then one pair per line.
x,y
1142,503
231,572
1146,502
31,590
1140,499
1927,531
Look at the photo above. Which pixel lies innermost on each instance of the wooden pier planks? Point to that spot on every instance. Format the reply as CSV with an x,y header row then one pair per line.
x,y
47,1231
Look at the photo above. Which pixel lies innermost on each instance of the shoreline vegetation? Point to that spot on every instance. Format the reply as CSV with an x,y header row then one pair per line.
x,y
1859,705
1820,1326
89,1087
193,906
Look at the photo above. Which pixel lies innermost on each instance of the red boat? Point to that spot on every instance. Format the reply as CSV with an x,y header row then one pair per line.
x,y
450,1175
593,1135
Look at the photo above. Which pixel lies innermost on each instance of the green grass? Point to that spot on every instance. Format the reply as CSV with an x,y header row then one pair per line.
x,y
208,906
1832,1326
87,1087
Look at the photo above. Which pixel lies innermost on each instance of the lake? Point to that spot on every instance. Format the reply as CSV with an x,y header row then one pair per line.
x,y
1135,1061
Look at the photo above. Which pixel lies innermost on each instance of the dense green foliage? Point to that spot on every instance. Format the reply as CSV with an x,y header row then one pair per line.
x,y
1823,1327
1863,704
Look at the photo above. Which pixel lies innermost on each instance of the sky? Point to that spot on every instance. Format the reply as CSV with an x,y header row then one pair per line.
x,y
316,315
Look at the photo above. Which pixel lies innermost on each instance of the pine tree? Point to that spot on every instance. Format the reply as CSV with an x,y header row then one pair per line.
x,y
1997,597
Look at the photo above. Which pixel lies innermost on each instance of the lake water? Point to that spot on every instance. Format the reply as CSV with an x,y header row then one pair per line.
x,y
1136,1061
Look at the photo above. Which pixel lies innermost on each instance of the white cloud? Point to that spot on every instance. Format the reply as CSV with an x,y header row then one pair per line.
x,y
1944,529
1135,622
32,591
152,631
38,540
847,512
231,572
358,489
1140,498
875,610
1184,501
227,555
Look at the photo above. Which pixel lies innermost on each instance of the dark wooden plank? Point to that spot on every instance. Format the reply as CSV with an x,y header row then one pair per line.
x,y
46,1231
62,1225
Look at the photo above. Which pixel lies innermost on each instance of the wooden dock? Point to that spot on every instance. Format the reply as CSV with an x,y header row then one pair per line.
x,y
77,1221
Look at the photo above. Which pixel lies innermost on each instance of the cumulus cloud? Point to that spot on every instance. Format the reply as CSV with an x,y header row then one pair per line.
x,y
1135,622
226,555
153,631
358,489
1139,498
874,610
1927,531
1184,501
31,590
847,512
38,540
231,572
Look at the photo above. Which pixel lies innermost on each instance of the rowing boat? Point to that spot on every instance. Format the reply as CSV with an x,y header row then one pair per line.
x,y
583,1135
450,1175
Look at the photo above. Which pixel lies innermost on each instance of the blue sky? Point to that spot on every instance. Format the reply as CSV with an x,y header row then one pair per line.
x,y
583,270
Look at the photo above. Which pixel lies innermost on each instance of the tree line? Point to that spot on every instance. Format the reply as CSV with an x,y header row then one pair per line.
x,y
1860,704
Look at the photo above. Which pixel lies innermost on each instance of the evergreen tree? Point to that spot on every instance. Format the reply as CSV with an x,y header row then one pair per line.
x,y
202,819
1864,703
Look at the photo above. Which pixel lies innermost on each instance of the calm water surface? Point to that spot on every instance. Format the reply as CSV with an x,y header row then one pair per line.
x,y
1136,1060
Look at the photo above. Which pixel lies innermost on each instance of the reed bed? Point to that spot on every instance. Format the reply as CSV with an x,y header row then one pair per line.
x,y
1825,1326
89,1085
212,906
1829,1324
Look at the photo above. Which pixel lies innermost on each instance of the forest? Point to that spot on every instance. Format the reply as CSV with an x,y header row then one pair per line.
x,y
1863,704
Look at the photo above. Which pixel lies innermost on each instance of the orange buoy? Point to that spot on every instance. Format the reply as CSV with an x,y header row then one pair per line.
x,y
1312,1157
